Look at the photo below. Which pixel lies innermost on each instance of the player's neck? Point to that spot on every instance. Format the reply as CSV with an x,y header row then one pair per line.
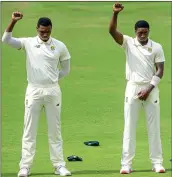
x,y
143,42
45,40
42,39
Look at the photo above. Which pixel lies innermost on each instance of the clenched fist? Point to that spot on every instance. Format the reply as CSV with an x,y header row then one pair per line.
x,y
17,16
118,7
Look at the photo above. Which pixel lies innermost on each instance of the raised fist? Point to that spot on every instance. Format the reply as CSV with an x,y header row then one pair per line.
x,y
118,7
17,16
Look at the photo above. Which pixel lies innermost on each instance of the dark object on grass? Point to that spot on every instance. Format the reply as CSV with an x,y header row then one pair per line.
x,y
92,143
170,160
74,158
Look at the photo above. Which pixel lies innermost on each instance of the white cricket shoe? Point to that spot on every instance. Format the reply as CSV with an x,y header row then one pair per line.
x,y
62,171
158,168
126,169
23,172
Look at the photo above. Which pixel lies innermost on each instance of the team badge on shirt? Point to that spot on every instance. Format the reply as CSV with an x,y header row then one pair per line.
x,y
52,47
149,49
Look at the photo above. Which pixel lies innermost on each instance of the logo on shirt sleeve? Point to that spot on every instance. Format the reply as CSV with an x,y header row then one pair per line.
x,y
37,46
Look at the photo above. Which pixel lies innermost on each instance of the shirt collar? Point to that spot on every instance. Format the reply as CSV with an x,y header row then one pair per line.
x,y
42,42
137,43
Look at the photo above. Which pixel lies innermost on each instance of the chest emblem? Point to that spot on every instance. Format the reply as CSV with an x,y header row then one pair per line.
x,y
52,47
149,49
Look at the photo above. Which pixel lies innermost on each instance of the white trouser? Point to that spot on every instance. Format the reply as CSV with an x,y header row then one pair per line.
x,y
35,99
131,110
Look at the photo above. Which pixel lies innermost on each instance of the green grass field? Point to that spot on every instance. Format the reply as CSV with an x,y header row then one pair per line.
x,y
92,93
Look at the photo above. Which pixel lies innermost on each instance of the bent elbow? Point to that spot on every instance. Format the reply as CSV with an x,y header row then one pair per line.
x,y
110,31
6,38
162,74
3,39
68,71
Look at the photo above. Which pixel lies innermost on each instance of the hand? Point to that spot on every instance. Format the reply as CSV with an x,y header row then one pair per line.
x,y
143,95
118,7
17,16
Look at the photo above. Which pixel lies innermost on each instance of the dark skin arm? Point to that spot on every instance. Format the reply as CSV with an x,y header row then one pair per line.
x,y
118,37
16,16
143,95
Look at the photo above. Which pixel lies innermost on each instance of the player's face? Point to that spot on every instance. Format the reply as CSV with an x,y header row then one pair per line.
x,y
142,34
44,32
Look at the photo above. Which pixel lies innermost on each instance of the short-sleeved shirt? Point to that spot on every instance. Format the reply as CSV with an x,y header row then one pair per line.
x,y
42,59
140,60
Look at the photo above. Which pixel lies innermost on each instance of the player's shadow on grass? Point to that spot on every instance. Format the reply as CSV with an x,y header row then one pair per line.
x,y
32,174
83,172
136,171
108,171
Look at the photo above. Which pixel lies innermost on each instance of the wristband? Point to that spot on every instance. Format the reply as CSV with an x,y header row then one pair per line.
x,y
155,81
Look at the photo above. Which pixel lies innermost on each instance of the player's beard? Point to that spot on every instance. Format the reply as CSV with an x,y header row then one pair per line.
x,y
45,39
142,40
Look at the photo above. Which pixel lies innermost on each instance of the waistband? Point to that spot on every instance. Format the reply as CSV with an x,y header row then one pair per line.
x,y
137,83
43,85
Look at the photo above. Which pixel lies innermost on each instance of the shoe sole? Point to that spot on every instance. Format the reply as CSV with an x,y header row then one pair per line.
x,y
125,172
24,175
160,171
63,175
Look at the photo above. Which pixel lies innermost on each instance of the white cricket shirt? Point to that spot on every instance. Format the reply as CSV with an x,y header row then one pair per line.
x,y
140,60
42,59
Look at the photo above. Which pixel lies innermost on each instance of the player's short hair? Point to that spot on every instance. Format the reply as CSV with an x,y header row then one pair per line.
x,y
44,21
141,24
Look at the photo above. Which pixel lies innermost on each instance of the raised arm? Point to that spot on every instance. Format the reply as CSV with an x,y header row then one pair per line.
x,y
118,37
7,36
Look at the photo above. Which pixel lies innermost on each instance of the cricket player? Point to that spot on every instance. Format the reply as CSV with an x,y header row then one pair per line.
x,y
43,54
144,71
